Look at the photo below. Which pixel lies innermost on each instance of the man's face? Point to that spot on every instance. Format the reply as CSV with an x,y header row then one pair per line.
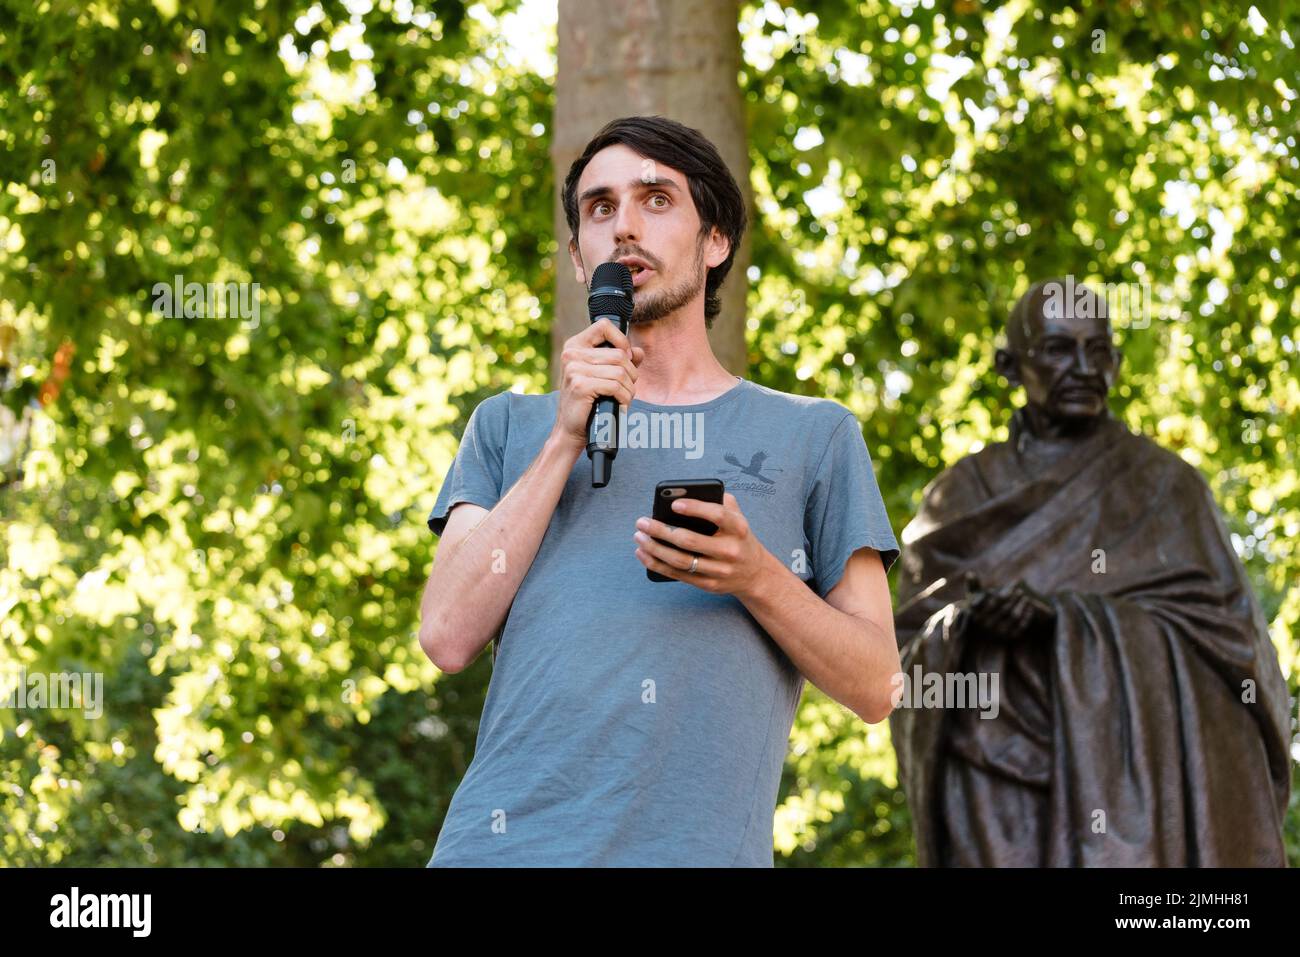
x,y
630,206
1069,364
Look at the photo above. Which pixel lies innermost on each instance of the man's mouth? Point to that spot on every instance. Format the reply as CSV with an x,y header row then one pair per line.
x,y
640,274
639,268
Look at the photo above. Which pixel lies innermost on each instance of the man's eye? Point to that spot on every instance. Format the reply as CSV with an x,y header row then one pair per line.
x,y
596,208
663,196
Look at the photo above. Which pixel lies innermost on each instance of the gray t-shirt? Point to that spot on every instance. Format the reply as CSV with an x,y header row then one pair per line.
x,y
635,723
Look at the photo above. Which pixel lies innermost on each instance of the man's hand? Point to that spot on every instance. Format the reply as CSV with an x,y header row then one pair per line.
x,y
590,369
731,560
1009,612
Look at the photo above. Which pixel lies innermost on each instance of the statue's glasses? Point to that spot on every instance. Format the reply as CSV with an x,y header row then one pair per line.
x,y
1097,352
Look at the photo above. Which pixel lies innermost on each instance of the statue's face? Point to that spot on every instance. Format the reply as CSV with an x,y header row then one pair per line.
x,y
1069,365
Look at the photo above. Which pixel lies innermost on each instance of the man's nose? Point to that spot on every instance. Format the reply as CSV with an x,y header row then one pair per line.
x,y
627,224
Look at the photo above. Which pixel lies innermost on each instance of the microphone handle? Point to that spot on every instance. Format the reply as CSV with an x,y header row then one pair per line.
x,y
602,450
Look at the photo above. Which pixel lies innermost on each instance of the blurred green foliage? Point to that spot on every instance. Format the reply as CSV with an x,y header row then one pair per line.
x,y
225,515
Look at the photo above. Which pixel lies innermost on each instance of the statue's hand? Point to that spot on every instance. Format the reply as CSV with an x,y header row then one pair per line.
x,y
988,611
1032,614
1009,612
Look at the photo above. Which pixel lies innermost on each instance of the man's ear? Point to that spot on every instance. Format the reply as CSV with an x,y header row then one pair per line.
x,y
719,248
579,272
1008,366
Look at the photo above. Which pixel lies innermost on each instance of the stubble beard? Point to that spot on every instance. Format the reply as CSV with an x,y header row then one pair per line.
x,y
651,308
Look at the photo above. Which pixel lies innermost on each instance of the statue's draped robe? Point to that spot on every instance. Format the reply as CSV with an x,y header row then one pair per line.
x,y
1151,728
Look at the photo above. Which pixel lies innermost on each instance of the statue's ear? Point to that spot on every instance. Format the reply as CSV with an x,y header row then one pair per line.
x,y
1007,365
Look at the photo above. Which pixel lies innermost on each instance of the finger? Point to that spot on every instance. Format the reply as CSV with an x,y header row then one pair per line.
x,y
1007,597
994,609
607,357
1018,614
726,519
619,357
683,538
604,330
595,387
665,553
638,354
613,373
676,568
602,357
1028,616
1034,617
652,563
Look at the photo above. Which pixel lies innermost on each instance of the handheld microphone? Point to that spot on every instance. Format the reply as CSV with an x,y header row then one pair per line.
x,y
610,298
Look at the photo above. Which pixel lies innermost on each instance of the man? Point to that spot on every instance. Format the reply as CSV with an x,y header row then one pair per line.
x,y
1143,718
629,722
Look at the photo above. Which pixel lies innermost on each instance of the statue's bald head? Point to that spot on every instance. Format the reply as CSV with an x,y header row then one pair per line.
x,y
1058,299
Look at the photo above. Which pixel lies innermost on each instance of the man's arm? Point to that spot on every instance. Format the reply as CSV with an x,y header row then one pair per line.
x,y
475,576
843,644
472,584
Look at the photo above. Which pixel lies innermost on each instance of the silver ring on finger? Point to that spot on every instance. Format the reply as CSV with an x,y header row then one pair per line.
x,y
694,562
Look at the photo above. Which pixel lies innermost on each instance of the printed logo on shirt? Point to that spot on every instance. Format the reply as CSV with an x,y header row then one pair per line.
x,y
754,476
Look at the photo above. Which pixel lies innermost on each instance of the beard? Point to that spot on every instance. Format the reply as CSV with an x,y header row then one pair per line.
x,y
655,306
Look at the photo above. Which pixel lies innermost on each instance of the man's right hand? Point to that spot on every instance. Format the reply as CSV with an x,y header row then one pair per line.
x,y
589,370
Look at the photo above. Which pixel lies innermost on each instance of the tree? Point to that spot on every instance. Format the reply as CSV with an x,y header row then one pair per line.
x,y
223,513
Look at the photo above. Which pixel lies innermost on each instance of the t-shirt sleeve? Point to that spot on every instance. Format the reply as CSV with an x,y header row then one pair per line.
x,y
844,511
476,473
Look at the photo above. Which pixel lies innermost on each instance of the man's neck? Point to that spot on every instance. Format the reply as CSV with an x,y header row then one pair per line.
x,y
679,367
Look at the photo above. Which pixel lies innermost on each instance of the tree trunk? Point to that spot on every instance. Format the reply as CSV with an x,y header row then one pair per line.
x,y
676,58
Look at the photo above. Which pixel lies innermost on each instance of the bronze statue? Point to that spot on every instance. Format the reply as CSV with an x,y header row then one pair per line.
x,y
1142,717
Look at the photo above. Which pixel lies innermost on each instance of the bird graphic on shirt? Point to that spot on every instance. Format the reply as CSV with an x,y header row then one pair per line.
x,y
755,467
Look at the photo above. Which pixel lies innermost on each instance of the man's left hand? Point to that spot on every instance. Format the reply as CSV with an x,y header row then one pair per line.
x,y
731,560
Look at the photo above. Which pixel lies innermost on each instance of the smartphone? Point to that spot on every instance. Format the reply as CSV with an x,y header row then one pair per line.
x,y
705,490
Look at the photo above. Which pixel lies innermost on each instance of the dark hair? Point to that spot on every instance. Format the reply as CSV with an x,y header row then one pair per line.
x,y
718,198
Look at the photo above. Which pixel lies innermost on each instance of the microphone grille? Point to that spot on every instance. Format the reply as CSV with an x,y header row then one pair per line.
x,y
611,291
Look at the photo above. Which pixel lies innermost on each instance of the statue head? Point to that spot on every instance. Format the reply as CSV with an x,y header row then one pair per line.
x,y
1059,347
